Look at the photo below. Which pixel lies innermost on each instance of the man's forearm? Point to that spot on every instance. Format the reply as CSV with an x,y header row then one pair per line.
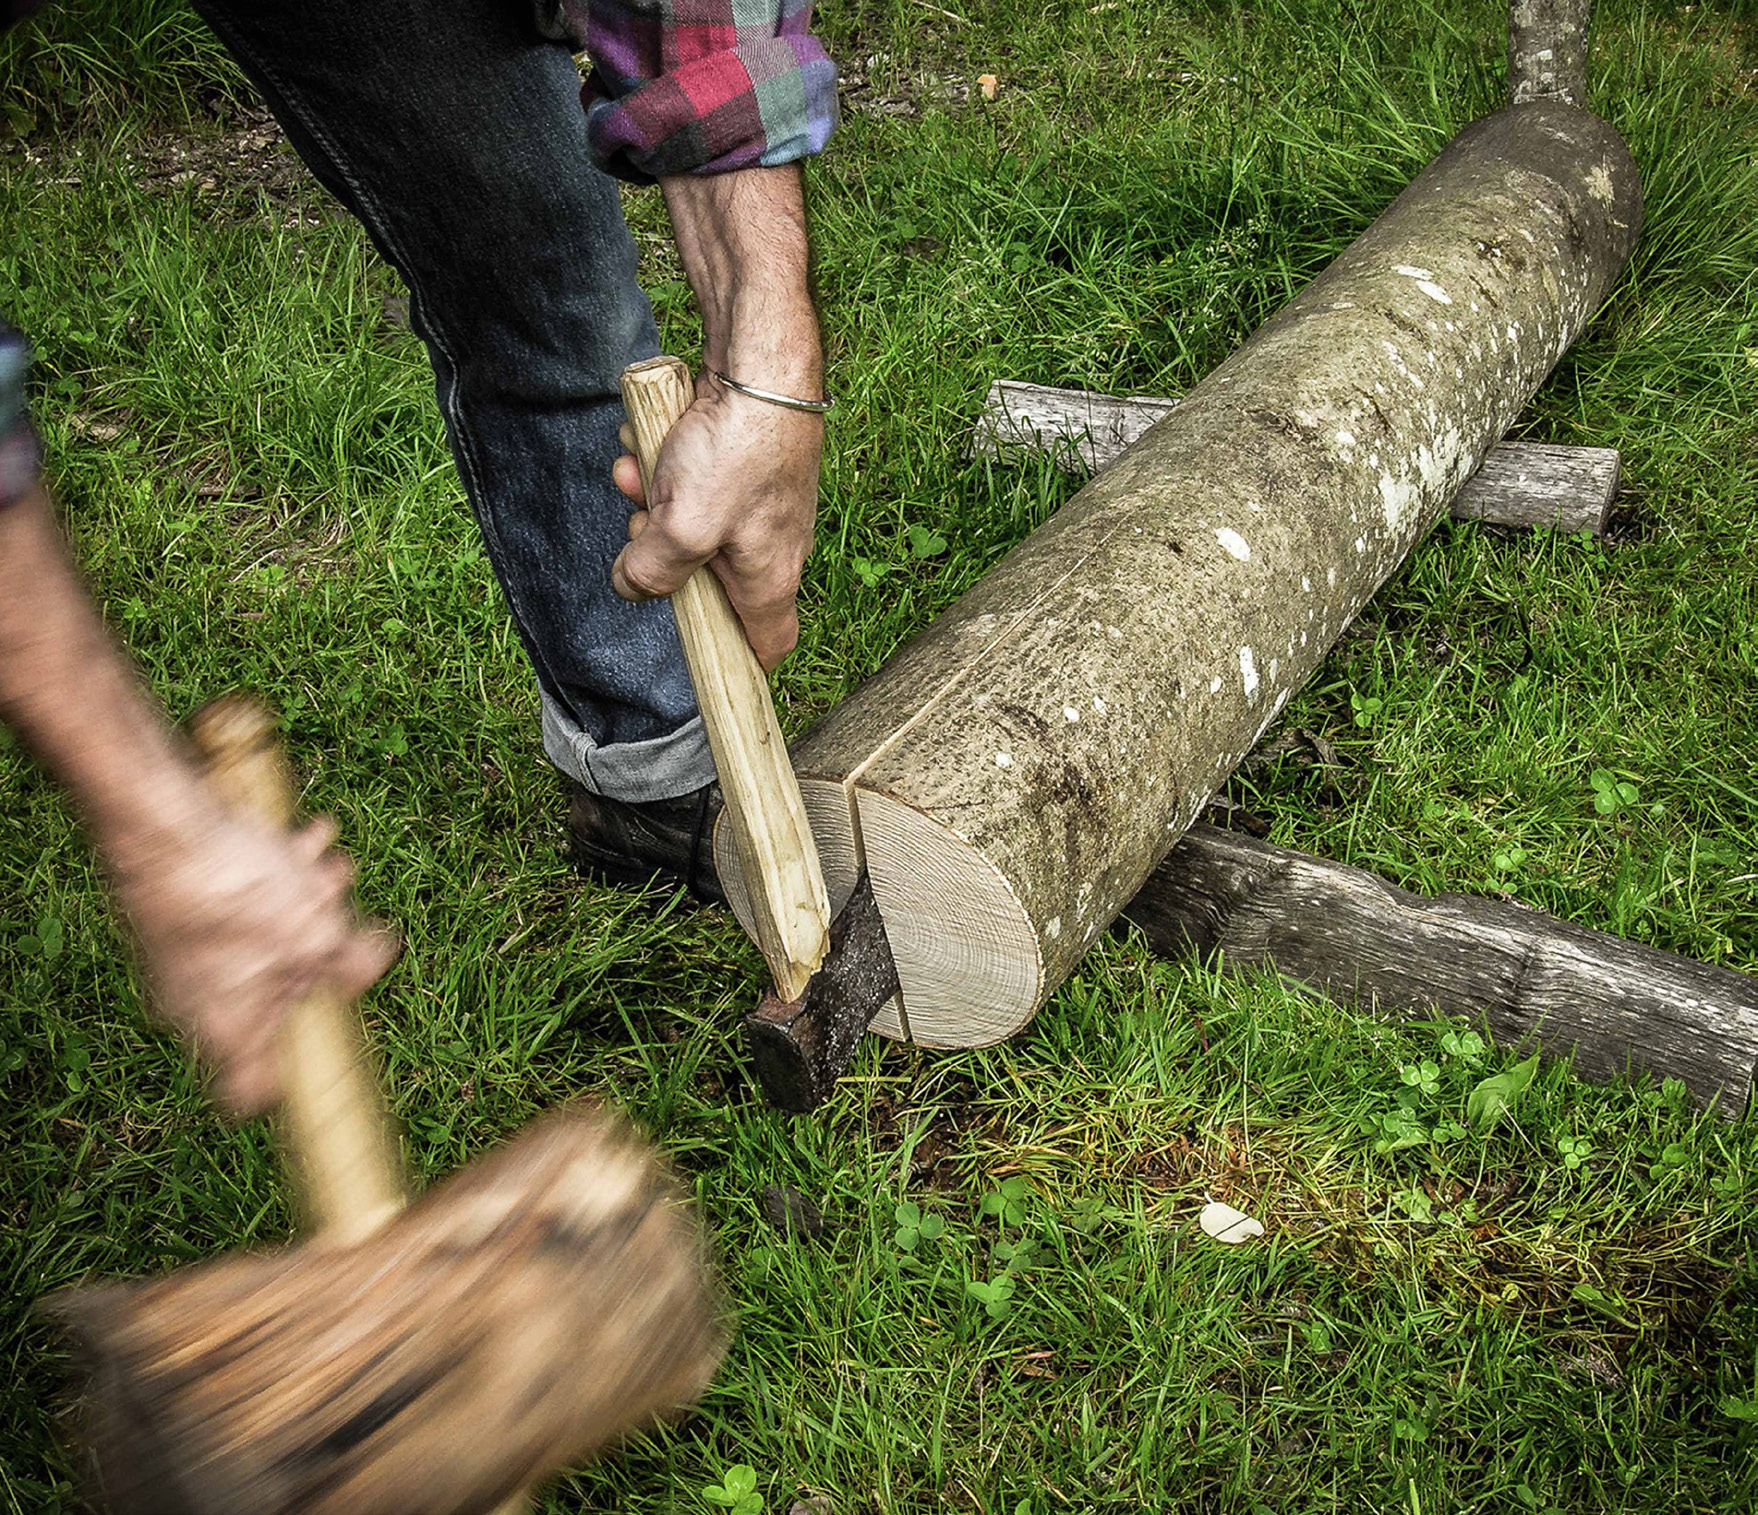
x,y
68,692
742,238
736,486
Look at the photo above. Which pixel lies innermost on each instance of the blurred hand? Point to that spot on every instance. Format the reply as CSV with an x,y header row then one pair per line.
x,y
235,922
736,487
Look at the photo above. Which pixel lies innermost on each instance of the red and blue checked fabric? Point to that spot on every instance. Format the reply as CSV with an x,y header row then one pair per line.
x,y
701,86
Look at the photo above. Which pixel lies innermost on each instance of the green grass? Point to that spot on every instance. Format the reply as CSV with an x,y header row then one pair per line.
x,y
254,476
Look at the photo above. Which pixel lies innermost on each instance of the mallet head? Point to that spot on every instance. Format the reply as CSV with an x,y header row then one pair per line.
x,y
514,1320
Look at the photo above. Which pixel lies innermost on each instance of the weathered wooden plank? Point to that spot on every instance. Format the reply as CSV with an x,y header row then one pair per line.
x,y
1534,979
1519,484
1540,484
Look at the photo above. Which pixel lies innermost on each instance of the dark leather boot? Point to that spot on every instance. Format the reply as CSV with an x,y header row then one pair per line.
x,y
621,842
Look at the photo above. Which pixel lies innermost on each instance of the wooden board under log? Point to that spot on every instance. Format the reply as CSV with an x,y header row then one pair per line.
x,y
1013,775
1615,1005
1520,483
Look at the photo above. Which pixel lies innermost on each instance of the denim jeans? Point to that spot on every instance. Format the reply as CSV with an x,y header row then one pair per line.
x,y
454,131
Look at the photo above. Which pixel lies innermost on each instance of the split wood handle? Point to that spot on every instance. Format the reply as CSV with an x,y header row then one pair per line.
x,y
338,1131
777,852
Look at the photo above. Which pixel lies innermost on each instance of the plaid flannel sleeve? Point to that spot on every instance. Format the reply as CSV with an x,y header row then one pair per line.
x,y
18,444
700,86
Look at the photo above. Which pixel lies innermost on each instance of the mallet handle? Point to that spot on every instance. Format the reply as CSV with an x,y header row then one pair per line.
x,y
338,1133
777,853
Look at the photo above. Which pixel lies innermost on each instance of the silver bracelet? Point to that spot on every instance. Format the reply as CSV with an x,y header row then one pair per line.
x,y
787,402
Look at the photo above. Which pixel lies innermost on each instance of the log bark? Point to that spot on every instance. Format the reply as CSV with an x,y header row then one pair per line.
x,y
1547,50
1013,775
1533,484
1533,979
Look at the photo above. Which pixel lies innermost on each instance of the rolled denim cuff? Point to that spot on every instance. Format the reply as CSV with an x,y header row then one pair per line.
x,y
660,768
18,463
18,443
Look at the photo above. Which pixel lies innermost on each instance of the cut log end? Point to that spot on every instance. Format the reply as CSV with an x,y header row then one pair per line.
x,y
967,953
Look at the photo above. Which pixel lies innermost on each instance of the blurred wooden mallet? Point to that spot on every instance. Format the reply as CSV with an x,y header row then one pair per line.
x,y
440,1358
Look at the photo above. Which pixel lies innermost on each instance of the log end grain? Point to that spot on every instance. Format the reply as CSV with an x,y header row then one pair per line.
x,y
966,951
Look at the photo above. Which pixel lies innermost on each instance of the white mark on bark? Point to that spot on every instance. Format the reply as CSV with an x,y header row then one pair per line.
x,y
1248,671
1397,496
1003,760
1070,714
1233,542
1214,686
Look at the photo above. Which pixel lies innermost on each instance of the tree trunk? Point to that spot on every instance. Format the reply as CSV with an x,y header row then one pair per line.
x,y
1615,1005
1013,775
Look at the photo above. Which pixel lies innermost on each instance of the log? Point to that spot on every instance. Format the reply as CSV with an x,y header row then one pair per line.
x,y
1520,483
1012,776
1534,980
1547,50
